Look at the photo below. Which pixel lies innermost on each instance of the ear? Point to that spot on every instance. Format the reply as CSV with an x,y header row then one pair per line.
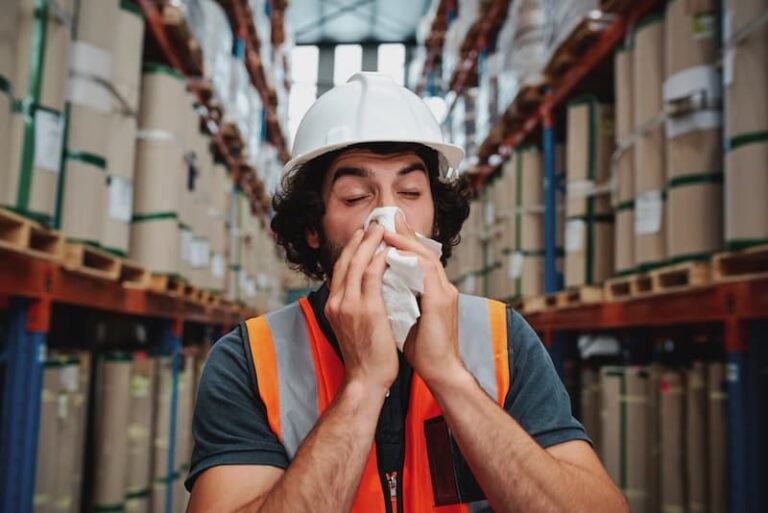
x,y
313,238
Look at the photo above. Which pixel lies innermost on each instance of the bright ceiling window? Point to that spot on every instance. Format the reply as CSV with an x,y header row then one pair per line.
x,y
347,60
304,62
391,59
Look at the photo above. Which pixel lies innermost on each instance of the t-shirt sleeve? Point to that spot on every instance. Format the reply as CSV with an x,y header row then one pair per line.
x,y
537,398
230,422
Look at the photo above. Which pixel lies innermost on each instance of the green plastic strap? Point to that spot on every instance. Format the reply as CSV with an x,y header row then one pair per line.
x,y
61,361
118,356
604,218
138,494
746,139
703,256
155,216
586,99
112,508
87,158
518,217
115,251
87,242
35,81
649,20
183,226
696,179
5,85
652,266
160,69
739,244
625,205
132,8
626,272
235,267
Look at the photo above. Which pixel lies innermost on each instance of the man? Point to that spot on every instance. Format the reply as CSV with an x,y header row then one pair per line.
x,y
312,407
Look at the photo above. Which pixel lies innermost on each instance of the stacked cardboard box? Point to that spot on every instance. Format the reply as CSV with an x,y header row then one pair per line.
x,y
162,172
61,439
140,430
624,163
589,213
662,434
692,96
746,124
84,180
38,61
650,147
113,401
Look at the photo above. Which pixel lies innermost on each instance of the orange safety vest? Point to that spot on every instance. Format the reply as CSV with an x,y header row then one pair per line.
x,y
299,373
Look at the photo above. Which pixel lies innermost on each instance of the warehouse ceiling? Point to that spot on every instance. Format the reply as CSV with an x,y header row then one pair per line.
x,y
355,21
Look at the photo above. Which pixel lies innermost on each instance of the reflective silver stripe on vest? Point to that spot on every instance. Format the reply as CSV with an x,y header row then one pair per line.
x,y
297,383
480,507
475,342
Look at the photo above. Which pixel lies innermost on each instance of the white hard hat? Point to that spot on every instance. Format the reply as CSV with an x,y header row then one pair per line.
x,y
370,107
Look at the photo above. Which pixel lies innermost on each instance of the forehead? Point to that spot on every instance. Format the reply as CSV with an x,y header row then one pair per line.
x,y
366,159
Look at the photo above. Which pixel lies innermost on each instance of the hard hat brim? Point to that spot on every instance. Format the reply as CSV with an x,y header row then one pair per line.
x,y
452,153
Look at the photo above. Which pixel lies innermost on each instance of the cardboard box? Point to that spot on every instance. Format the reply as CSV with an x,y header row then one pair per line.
x,y
672,442
160,177
588,251
746,208
696,449
690,34
148,234
163,101
111,430
162,412
695,217
83,199
717,438
8,40
589,401
746,76
623,78
611,383
141,422
47,440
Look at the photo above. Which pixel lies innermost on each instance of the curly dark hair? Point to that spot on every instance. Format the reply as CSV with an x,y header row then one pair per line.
x,y
299,206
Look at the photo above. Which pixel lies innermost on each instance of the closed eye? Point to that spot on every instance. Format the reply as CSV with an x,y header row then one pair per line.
x,y
411,194
355,199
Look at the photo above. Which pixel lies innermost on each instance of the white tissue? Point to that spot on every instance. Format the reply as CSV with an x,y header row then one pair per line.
x,y
403,279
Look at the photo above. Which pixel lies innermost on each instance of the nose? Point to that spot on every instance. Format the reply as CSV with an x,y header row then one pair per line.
x,y
386,198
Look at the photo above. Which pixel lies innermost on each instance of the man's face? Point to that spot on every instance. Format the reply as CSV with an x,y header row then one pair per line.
x,y
359,181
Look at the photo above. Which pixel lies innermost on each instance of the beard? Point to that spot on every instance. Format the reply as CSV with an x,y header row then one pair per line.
x,y
330,251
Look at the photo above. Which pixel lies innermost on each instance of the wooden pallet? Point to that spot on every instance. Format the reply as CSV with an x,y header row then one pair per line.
x,y
534,304
578,296
740,265
680,277
22,235
166,284
133,275
627,287
574,46
84,259
178,31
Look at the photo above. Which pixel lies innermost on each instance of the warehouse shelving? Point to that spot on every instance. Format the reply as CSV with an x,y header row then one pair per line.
x,y
435,40
733,311
33,287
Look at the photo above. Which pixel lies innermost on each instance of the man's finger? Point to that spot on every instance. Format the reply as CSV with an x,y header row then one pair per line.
x,y
340,267
408,243
373,276
360,260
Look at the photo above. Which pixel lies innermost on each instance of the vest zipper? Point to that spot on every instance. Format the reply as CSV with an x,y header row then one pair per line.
x,y
392,481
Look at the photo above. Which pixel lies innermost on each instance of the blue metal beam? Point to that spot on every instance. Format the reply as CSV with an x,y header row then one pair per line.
x,y
20,422
550,208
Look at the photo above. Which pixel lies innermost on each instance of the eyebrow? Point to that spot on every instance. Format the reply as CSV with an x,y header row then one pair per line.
x,y
366,173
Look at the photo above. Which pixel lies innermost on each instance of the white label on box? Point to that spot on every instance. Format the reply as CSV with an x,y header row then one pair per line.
x,y
49,140
120,199
187,240
62,405
217,266
649,208
574,235
728,63
68,378
516,260
489,214
704,25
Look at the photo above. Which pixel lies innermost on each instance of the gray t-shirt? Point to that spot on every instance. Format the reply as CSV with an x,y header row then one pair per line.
x,y
230,421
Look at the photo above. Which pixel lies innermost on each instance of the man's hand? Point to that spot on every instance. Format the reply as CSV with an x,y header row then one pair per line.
x,y
432,346
356,312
